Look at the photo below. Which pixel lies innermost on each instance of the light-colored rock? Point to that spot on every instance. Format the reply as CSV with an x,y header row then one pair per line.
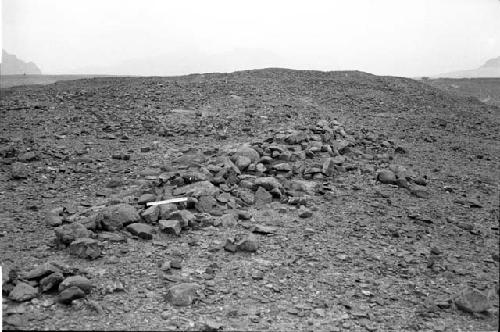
x,y
183,294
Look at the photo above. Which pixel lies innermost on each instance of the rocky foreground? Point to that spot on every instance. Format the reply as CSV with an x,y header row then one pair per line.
x,y
306,201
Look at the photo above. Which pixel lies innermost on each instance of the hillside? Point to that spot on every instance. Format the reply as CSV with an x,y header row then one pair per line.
x,y
490,68
314,201
11,65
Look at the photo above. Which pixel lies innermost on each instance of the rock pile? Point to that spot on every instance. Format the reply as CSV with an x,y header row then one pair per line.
x,y
51,278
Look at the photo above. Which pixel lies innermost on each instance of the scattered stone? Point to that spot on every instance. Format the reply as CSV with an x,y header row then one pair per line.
x,y
170,227
69,294
85,248
144,231
23,292
183,294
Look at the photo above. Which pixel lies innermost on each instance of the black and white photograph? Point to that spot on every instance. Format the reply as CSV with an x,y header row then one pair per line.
x,y
250,165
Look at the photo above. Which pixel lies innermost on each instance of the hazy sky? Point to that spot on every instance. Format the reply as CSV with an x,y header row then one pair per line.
x,y
387,37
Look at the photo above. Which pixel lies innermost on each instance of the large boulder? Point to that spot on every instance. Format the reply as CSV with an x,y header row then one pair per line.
x,y
144,231
118,216
76,281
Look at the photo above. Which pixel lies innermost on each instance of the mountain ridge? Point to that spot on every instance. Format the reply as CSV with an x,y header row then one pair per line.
x,y
12,65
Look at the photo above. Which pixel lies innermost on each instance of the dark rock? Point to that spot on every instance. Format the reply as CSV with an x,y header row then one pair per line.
x,y
69,294
51,281
183,294
170,227
305,213
244,215
386,177
85,248
144,231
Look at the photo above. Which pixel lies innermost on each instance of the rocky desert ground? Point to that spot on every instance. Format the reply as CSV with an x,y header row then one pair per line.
x,y
308,201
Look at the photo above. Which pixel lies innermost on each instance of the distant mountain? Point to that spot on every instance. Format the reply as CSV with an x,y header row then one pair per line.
x,y
491,68
187,62
11,65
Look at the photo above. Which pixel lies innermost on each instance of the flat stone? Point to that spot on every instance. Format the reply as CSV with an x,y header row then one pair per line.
x,y
23,292
76,281
262,229
170,227
146,198
144,231
41,271
85,248
183,294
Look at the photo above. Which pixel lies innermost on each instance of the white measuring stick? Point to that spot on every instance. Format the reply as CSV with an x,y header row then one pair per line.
x,y
172,200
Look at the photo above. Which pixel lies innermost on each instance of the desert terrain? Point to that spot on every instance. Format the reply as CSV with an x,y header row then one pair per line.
x,y
313,201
